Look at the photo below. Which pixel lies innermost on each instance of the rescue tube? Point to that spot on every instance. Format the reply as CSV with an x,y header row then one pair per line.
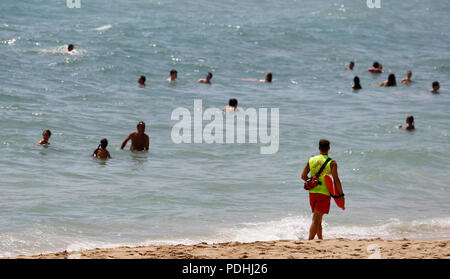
x,y
332,189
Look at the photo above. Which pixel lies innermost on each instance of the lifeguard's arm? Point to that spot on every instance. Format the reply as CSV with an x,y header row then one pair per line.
x,y
305,172
125,141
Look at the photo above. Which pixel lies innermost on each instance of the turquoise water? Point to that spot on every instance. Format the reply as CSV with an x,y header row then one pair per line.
x,y
59,198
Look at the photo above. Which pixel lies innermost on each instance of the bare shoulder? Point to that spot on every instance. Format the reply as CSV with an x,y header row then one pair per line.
x,y
131,136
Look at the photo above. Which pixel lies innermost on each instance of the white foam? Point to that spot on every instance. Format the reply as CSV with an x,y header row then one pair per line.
x,y
298,228
9,42
103,28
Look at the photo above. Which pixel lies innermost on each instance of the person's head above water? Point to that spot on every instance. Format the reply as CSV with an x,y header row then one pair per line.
x,y
141,81
233,103
70,47
410,119
376,64
351,65
46,134
103,143
173,74
207,79
324,146
268,77
356,83
436,86
409,74
391,80
141,127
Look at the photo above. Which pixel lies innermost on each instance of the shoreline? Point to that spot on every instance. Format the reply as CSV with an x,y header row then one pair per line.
x,y
339,248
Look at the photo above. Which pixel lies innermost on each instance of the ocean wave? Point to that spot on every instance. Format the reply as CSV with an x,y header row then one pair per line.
x,y
298,228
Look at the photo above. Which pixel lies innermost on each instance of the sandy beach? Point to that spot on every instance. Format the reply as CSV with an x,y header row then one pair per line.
x,y
281,249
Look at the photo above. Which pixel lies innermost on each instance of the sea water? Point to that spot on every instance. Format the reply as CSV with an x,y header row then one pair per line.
x,y
59,198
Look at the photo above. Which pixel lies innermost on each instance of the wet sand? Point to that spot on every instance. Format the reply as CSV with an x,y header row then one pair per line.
x,y
281,249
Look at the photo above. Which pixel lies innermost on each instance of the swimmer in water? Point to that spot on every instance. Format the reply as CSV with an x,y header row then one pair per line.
x,y
407,79
267,78
45,137
356,85
389,82
173,75
101,152
141,81
208,78
350,66
409,122
435,88
232,105
376,69
70,47
139,139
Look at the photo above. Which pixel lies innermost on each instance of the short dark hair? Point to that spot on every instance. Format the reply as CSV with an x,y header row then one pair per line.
x,y
140,122
210,75
70,47
324,145
104,143
173,71
269,77
142,78
376,64
233,103
435,83
47,132
410,119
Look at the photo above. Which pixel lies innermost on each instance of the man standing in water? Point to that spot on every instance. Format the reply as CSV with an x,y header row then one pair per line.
x,y
139,139
319,196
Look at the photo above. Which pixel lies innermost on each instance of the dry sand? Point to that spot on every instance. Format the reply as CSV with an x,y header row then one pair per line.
x,y
281,249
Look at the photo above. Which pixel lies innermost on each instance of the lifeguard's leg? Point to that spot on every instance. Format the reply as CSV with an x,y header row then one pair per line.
x,y
316,225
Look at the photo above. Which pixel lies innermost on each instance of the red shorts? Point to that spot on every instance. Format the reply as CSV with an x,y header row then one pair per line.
x,y
319,202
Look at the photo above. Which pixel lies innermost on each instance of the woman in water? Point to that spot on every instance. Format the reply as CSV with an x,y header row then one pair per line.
x,y
356,84
45,137
409,122
390,81
101,152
